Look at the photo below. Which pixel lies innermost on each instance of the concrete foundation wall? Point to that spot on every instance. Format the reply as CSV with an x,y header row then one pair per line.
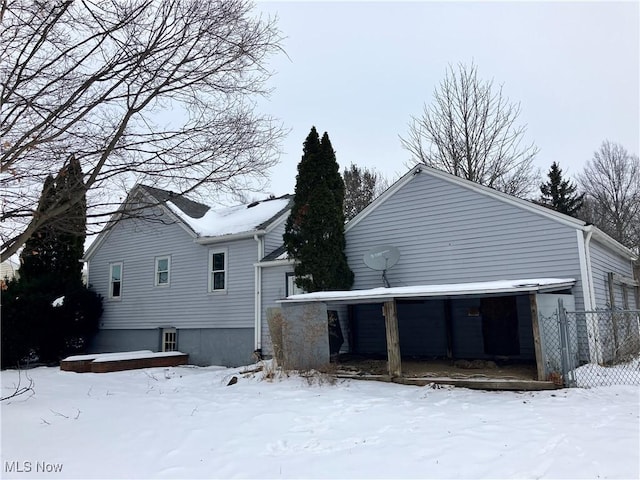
x,y
230,347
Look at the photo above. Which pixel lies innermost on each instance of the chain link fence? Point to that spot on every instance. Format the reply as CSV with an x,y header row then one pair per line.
x,y
590,349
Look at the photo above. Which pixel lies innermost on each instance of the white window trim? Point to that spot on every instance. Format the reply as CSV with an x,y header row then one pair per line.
x,y
111,265
212,251
155,271
290,280
170,330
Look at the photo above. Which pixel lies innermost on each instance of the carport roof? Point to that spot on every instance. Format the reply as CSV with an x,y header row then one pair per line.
x,y
382,294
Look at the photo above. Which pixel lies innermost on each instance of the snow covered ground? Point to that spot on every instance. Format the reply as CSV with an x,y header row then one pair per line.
x,y
185,422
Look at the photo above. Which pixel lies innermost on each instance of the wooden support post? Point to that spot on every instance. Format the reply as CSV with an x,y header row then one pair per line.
x,y
612,296
536,337
612,307
394,362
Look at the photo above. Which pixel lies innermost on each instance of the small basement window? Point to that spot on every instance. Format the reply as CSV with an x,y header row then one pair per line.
x,y
169,340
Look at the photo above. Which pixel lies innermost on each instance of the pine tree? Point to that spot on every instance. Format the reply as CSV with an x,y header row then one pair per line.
x,y
559,194
314,231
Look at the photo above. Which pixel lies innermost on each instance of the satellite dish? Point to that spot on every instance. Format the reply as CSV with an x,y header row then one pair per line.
x,y
382,258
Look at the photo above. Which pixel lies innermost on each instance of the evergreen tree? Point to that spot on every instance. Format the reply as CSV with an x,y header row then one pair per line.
x,y
71,228
39,252
56,248
314,231
50,269
560,194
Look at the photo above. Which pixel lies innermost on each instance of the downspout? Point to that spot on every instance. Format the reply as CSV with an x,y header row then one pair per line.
x,y
258,296
595,348
587,251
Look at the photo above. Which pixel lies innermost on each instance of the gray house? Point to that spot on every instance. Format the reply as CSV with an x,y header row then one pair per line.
x,y
178,275
478,269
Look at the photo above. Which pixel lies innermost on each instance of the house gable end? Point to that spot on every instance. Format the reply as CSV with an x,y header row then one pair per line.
x,y
137,194
510,199
449,234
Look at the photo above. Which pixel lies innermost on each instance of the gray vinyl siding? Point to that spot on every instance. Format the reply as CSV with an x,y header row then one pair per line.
x,y
447,233
603,261
273,238
185,302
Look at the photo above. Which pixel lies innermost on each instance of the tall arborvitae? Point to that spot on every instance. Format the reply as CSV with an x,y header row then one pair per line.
x,y
314,232
39,252
56,248
33,325
560,194
72,227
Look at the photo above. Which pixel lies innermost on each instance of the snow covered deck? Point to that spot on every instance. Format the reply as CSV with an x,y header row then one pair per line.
x,y
115,362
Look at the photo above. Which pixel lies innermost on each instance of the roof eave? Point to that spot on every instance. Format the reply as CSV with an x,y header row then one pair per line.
x,y
610,242
229,237
275,263
383,296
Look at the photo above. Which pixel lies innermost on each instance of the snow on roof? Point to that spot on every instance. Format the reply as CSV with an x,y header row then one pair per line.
x,y
451,289
227,221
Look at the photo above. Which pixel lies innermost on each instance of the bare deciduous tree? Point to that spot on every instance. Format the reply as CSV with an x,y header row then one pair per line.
x,y
159,91
470,131
611,182
362,186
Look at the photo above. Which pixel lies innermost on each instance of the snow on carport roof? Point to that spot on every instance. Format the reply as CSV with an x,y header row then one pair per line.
x,y
445,290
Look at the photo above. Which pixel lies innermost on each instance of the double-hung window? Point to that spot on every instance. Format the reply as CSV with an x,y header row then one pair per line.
x,y
115,280
162,273
218,270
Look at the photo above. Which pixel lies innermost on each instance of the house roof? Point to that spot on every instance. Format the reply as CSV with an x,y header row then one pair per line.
x,y
381,294
503,197
205,224
279,253
251,217
187,206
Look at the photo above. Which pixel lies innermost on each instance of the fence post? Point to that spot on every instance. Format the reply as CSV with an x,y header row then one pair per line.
x,y
567,373
593,333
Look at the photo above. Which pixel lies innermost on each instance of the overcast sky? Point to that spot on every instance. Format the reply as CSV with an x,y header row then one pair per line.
x,y
360,71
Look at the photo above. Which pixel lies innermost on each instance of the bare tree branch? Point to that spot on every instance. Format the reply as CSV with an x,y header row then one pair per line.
x,y
19,388
138,91
611,182
470,131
